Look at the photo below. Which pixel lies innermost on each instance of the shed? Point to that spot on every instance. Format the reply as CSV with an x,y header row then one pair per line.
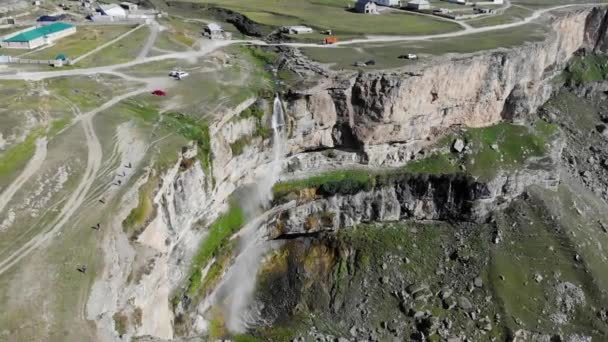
x,y
299,29
47,18
366,6
419,5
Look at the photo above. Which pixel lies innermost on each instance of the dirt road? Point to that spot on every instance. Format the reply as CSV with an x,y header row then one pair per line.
x,y
30,169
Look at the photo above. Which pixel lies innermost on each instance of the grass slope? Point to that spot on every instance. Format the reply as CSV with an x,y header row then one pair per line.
x,y
333,14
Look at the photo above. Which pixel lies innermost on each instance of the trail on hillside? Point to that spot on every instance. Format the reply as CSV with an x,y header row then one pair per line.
x,y
75,201
31,168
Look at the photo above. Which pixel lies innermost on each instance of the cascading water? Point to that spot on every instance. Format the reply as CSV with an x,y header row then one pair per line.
x,y
234,293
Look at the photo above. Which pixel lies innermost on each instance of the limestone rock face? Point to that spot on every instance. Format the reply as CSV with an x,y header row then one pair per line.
x,y
419,197
402,110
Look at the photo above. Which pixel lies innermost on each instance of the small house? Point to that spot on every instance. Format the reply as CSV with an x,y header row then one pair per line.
x,y
366,6
298,29
215,31
419,5
129,6
391,3
47,19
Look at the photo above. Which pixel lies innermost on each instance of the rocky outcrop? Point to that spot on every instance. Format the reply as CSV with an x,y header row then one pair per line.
x,y
241,22
419,197
392,115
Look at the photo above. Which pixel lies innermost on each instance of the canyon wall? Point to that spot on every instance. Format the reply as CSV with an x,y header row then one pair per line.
x,y
375,118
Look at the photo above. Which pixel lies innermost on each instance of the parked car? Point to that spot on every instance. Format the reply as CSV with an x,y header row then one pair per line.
x,y
370,62
360,64
408,56
181,74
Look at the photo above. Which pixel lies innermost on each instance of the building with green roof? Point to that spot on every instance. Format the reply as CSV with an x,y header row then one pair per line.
x,y
32,38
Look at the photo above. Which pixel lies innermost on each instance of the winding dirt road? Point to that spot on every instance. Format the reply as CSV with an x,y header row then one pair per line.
x,y
76,199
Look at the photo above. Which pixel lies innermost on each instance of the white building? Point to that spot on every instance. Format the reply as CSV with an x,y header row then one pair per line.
x,y
299,29
33,37
387,2
215,31
129,6
112,10
497,2
366,6
419,5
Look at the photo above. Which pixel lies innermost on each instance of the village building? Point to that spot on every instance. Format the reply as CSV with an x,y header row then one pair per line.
x,y
392,3
129,6
215,31
366,6
32,38
298,29
419,5
112,10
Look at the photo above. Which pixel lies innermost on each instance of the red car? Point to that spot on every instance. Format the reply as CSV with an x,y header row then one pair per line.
x,y
159,92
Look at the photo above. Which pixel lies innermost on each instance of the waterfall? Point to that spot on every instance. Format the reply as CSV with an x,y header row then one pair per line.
x,y
234,292
278,117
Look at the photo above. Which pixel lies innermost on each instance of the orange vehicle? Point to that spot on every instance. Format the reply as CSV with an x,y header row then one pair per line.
x,y
330,40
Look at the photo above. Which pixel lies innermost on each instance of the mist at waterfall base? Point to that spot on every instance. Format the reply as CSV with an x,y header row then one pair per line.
x,y
235,291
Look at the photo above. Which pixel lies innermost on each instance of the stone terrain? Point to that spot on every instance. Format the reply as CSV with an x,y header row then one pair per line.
x,y
420,280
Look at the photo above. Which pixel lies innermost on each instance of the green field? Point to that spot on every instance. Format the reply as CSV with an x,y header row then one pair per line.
x,y
385,54
84,40
334,14
512,14
121,51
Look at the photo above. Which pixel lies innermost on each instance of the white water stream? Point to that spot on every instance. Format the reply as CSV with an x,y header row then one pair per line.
x,y
234,293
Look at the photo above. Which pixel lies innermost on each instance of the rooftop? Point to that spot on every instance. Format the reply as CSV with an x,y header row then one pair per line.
x,y
214,27
39,32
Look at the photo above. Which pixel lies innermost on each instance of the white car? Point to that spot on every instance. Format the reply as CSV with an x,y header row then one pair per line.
x,y
408,56
181,74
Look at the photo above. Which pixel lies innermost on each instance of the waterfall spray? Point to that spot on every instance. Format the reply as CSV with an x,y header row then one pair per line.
x,y
235,291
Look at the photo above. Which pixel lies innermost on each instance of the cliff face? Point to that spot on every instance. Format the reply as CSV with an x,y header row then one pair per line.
x,y
406,108
419,197
375,118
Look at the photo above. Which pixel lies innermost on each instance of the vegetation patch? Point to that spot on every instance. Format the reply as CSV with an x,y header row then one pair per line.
x,y
195,130
342,181
144,211
144,111
261,130
17,156
121,323
586,68
218,235
219,266
503,146
58,125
